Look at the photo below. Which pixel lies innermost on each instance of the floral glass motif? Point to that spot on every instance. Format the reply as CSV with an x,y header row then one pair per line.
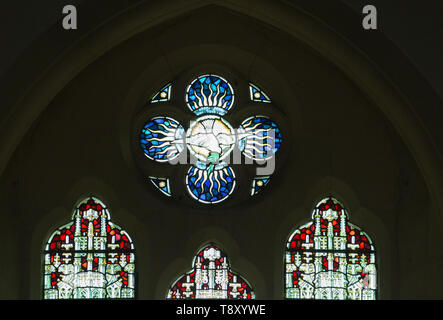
x,y
330,258
163,95
258,95
89,258
210,139
211,277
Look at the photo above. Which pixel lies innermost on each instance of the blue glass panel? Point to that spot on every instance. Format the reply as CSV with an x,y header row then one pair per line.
x,y
210,94
162,139
163,95
161,184
210,185
258,184
257,94
259,138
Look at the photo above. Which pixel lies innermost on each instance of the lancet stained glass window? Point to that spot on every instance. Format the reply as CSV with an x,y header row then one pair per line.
x,y
330,258
90,257
211,277
210,138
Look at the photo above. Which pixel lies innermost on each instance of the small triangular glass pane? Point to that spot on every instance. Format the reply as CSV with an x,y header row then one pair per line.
x,y
161,184
163,95
257,94
259,183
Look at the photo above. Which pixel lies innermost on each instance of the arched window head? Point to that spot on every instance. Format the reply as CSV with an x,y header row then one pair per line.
x,y
330,258
211,277
89,258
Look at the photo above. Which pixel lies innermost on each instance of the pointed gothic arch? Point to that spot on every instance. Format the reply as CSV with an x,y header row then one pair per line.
x,y
330,258
90,257
211,277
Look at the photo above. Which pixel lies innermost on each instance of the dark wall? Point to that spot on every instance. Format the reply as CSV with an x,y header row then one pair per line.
x,y
414,26
337,140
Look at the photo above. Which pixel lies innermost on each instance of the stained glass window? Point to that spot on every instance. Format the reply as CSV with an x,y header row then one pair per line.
x,y
258,183
163,95
211,277
162,139
210,94
210,185
260,138
258,95
210,139
161,184
330,258
90,257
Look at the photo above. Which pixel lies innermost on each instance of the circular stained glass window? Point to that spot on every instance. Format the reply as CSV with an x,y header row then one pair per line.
x,y
210,139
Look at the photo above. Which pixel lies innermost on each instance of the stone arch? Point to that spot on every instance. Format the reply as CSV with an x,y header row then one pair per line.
x,y
60,214
222,239
359,216
317,36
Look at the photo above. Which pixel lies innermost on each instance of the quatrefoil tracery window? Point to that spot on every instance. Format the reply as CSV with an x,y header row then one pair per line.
x,y
210,139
